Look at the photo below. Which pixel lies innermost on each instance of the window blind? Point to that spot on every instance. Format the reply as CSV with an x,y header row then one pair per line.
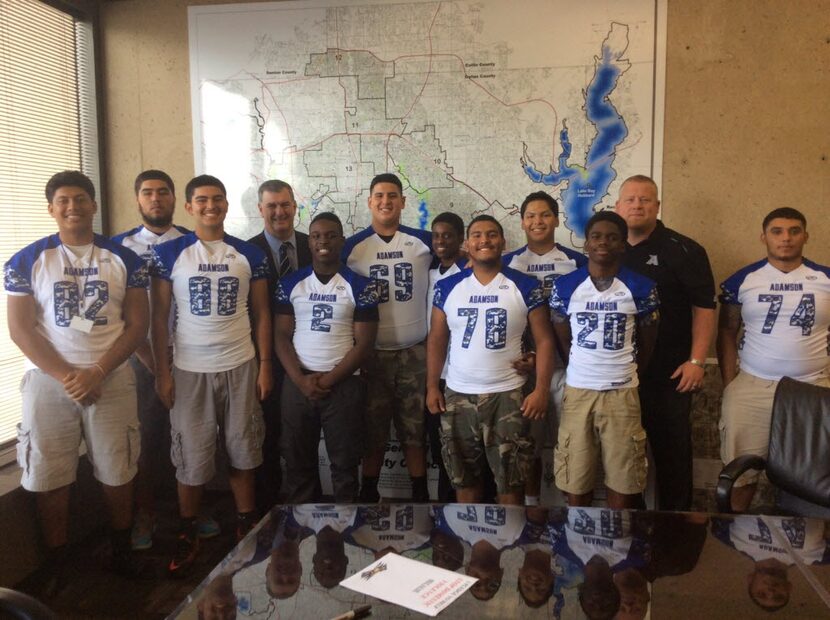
x,y
48,123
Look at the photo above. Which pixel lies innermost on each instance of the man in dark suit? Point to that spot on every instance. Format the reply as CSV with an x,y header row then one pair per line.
x,y
287,251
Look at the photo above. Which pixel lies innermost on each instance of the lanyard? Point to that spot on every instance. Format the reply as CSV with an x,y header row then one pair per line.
x,y
87,271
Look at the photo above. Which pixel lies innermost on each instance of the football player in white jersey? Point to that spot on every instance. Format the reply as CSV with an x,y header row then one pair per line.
x,y
398,257
485,417
489,530
215,379
774,544
546,260
605,317
447,239
326,319
783,303
77,308
156,197
393,528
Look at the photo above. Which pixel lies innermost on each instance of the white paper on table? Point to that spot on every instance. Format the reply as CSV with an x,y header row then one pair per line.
x,y
415,585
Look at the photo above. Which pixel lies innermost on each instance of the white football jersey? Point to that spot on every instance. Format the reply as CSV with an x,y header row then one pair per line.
x,y
501,526
402,527
545,267
601,532
401,268
324,313
317,516
786,319
211,281
603,351
92,285
434,276
762,538
486,324
142,241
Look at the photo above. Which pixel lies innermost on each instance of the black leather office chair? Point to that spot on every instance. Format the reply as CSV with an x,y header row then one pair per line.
x,y
21,606
799,450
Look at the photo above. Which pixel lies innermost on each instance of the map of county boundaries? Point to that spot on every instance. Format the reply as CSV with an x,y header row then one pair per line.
x,y
473,104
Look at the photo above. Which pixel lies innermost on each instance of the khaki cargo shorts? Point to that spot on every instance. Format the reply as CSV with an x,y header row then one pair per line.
x,y
601,423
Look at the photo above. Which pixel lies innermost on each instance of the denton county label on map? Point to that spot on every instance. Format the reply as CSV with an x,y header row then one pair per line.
x,y
474,104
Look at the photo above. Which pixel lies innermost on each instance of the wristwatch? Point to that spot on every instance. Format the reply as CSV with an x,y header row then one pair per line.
x,y
696,362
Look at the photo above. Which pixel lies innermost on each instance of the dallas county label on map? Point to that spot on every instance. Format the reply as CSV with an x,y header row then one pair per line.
x,y
473,104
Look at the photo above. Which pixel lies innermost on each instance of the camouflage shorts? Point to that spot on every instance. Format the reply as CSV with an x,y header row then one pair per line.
x,y
482,429
396,387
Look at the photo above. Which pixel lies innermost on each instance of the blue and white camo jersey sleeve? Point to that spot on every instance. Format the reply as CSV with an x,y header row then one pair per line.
x,y
531,289
256,257
162,259
643,291
648,304
444,286
562,290
137,270
17,277
731,287
15,281
557,304
535,297
282,292
367,292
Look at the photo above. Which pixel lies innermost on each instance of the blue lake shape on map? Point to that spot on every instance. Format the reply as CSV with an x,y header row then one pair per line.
x,y
589,183
423,215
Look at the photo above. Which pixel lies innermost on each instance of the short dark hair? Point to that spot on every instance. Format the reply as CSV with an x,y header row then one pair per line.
x,y
787,213
274,185
69,178
203,180
607,216
328,216
386,177
154,175
485,218
453,219
544,196
640,178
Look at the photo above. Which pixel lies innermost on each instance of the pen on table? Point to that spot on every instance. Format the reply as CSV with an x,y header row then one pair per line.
x,y
359,612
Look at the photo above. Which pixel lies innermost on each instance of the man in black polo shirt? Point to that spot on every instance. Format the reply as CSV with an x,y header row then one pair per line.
x,y
686,289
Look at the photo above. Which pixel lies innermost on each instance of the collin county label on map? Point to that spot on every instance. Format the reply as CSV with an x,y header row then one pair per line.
x,y
473,104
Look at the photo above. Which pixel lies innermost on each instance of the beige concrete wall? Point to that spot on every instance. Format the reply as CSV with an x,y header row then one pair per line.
x,y
747,122
747,114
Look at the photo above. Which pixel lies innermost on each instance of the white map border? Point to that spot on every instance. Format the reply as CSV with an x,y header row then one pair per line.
x,y
659,58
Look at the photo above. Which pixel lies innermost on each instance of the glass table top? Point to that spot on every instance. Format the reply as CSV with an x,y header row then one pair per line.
x,y
529,562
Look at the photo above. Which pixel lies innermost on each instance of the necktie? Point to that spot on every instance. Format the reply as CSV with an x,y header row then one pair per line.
x,y
285,262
